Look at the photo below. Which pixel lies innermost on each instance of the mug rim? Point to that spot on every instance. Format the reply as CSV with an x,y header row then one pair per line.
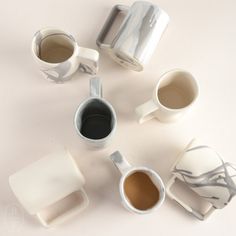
x,y
75,45
162,77
78,110
125,200
137,67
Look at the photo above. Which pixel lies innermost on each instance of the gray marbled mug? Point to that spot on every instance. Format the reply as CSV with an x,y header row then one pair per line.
x,y
138,35
205,172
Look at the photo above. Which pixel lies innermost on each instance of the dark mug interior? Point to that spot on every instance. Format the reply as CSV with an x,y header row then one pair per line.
x,y
95,119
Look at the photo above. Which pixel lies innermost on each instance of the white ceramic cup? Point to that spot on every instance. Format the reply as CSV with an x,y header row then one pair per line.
x,y
205,172
58,55
174,95
47,184
127,170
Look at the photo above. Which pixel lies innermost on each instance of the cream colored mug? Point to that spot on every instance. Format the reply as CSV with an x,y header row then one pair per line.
x,y
174,95
52,188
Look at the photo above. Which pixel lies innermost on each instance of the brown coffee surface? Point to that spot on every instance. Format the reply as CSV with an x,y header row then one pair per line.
x,y
141,191
56,49
174,97
56,54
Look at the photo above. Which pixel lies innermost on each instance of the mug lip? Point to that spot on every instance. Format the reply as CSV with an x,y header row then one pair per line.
x,y
75,45
137,67
84,103
162,77
125,200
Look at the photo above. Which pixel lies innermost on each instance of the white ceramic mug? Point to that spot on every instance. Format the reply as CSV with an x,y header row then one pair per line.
x,y
138,35
174,95
126,171
95,119
205,172
46,184
58,55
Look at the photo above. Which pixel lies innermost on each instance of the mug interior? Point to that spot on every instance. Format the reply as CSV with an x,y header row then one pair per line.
x,y
53,46
95,119
177,89
142,190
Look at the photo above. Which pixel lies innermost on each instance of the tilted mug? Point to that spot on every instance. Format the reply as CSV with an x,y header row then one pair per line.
x,y
205,172
46,184
138,35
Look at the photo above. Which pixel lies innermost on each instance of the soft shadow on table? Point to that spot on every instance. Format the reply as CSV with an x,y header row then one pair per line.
x,y
102,183
160,158
128,95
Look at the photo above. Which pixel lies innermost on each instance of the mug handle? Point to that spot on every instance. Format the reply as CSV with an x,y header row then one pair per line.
x,y
68,213
146,111
96,87
109,22
197,214
120,162
88,59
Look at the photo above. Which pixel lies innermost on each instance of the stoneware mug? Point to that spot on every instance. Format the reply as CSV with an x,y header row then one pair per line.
x,y
205,172
141,189
173,96
51,188
138,35
95,119
58,55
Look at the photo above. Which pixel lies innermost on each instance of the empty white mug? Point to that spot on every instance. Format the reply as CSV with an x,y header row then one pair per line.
x,y
47,185
174,95
141,189
58,55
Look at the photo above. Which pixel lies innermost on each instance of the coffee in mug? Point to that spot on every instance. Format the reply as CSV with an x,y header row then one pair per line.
x,y
95,118
141,189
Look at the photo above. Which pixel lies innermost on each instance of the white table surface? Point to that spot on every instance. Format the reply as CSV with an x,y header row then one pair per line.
x,y
37,116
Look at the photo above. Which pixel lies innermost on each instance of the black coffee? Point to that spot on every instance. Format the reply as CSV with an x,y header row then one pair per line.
x,y
96,120
96,126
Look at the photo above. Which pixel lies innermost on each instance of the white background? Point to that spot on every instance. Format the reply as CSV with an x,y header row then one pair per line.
x,y
37,116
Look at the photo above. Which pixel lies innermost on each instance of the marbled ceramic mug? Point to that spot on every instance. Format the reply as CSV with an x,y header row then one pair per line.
x,y
205,172
58,55
138,35
141,188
